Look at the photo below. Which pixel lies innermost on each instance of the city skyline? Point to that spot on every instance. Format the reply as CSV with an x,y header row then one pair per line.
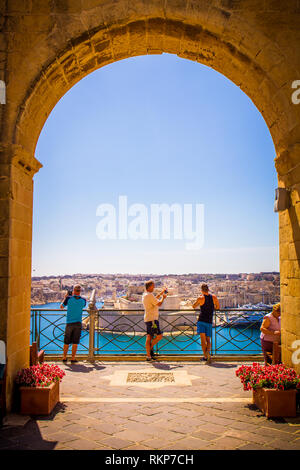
x,y
232,289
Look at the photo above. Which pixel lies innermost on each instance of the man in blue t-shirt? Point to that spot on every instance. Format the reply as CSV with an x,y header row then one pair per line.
x,y
75,304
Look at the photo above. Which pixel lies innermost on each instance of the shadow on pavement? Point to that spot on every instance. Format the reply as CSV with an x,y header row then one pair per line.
x,y
83,368
162,366
222,365
26,437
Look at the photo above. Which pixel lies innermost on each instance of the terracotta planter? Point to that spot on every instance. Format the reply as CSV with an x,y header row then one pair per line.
x,y
39,400
275,403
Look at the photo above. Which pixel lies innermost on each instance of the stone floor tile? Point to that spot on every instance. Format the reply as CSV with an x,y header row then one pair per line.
x,y
61,436
248,436
93,435
226,443
132,435
145,418
189,443
116,443
204,435
274,433
137,447
253,446
157,443
74,428
84,444
284,445
214,428
106,428
243,426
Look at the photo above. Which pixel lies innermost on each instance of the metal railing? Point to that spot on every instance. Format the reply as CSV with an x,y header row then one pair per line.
x,y
122,332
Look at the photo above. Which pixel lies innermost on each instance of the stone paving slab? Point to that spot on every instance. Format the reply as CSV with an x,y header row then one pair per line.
x,y
129,424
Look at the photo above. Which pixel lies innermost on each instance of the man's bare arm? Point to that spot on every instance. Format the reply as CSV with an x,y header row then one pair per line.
x,y
62,306
160,294
161,301
216,302
199,301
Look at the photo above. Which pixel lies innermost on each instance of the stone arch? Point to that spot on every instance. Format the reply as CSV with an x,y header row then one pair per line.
x,y
52,45
251,67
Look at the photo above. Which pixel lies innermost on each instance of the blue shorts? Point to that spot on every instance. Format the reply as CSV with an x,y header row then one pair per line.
x,y
203,327
153,331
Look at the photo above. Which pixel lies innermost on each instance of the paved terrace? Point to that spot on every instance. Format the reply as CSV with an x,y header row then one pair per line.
x,y
110,406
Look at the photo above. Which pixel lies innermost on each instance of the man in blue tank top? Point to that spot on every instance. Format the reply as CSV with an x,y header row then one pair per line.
x,y
208,303
75,304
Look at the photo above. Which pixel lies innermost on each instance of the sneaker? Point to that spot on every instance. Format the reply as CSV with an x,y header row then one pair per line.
x,y
65,361
153,354
74,361
203,358
149,359
208,358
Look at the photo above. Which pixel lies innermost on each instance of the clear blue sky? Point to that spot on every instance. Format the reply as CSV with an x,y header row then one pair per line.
x,y
158,129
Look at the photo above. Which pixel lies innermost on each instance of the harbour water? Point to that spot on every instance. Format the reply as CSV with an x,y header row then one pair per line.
x,y
50,325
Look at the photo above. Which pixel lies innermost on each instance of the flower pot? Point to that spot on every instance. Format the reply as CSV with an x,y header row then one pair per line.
x,y
275,403
39,400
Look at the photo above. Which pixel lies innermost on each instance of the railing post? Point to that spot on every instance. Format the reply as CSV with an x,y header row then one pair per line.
x,y
92,310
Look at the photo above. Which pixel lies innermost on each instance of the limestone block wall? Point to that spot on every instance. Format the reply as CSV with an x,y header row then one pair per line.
x,y
288,167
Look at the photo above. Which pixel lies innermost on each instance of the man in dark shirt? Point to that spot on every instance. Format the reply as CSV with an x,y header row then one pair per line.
x,y
208,303
75,304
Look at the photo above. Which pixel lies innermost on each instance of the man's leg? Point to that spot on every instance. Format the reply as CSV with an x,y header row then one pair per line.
x,y
156,340
148,346
66,348
208,348
74,350
203,344
75,339
67,341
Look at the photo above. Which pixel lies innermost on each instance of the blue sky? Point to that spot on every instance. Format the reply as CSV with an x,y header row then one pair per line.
x,y
158,129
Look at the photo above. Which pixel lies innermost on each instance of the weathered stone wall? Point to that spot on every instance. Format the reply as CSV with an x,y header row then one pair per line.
x,y
46,46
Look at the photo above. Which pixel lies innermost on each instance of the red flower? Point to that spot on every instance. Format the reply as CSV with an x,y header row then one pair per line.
x,y
277,376
41,375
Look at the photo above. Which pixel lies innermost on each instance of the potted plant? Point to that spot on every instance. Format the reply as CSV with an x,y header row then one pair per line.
x,y
274,388
39,388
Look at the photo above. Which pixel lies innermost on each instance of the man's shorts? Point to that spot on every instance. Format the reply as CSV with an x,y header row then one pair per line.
x,y
72,333
203,327
153,331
